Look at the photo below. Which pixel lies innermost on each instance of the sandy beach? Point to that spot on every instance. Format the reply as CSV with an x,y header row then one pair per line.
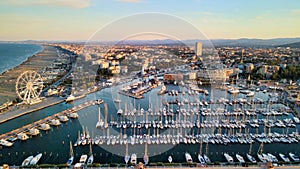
x,y
37,62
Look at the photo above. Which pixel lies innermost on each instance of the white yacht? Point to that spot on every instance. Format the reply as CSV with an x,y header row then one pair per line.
x,y
22,136
100,122
27,161
55,122
170,159
284,158
36,159
262,158
188,158
63,118
201,159
228,158
250,94
73,115
91,157
34,132
294,157
251,158
133,159
240,158
6,143
272,158
45,127
127,158
206,158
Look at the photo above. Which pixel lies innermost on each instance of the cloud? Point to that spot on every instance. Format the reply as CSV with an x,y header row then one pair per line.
x,y
57,3
130,1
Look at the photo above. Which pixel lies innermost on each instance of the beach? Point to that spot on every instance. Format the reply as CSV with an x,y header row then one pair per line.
x,y
36,63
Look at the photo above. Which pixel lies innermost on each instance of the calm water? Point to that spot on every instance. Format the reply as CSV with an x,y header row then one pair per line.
x,y
13,54
54,144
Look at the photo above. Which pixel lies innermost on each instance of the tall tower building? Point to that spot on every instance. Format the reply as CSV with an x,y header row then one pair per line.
x,y
198,49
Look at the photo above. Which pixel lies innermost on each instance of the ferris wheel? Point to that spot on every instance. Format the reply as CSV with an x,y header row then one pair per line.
x,y
29,86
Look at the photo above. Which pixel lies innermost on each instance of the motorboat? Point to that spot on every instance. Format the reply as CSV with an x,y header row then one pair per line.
x,y
44,127
188,158
63,118
294,157
240,158
228,158
27,161
133,159
250,94
201,159
251,158
36,159
34,131
73,115
284,158
146,159
170,159
100,122
22,136
120,112
127,158
83,158
6,143
55,122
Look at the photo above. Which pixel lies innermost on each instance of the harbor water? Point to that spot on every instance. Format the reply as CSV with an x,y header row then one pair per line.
x,y
54,144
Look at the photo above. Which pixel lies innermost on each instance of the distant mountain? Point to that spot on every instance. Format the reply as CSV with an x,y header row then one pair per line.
x,y
292,45
243,42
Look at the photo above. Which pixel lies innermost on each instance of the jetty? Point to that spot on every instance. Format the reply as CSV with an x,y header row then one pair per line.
x,y
12,135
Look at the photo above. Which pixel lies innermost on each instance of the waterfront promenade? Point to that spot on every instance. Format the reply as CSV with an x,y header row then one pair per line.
x,y
25,109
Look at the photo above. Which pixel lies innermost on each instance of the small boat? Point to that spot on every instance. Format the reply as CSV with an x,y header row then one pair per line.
x,y
45,127
117,100
272,158
133,159
71,159
251,158
100,122
188,158
55,122
91,157
201,159
63,118
240,158
83,158
170,159
228,158
6,143
73,115
206,158
262,158
294,157
34,132
284,158
27,161
36,159
250,94
120,112
146,159
22,136
127,158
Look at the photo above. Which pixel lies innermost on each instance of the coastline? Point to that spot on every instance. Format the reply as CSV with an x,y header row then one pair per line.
x,y
35,62
27,56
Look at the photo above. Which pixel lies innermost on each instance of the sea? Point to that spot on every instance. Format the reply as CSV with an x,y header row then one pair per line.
x,y
54,144
13,54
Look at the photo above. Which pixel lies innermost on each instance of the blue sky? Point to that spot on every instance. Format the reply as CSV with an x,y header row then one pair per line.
x,y
80,19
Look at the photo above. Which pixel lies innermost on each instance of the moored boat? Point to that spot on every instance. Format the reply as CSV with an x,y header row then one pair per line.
x,y
294,157
284,158
201,159
240,158
27,161
228,158
188,158
251,158
36,159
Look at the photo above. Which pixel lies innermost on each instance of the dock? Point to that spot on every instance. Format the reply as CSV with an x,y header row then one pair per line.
x,y
15,113
13,134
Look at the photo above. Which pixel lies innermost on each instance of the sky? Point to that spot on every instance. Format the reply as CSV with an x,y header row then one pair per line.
x,y
73,20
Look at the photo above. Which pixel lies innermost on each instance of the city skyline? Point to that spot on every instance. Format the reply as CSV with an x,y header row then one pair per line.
x,y
80,19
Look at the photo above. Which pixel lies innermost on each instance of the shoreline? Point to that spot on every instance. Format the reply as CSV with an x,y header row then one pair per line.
x,y
35,62
25,60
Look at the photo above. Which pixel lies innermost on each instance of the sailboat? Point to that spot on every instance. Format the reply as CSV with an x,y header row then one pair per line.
x,y
146,157
71,159
100,122
91,157
127,157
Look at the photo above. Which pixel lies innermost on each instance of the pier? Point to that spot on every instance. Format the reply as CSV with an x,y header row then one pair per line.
x,y
13,134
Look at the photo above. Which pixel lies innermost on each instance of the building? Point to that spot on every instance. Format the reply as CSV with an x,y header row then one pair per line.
x,y
198,49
